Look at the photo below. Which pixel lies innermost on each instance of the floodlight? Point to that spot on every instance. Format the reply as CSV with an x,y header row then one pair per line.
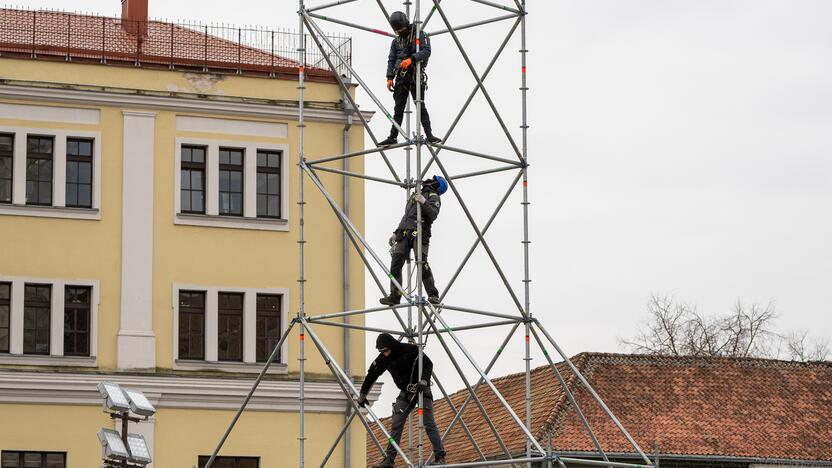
x,y
114,398
139,453
112,444
139,404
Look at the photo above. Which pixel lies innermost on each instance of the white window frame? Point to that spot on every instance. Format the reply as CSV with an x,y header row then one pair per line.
x,y
212,218
211,361
58,209
56,335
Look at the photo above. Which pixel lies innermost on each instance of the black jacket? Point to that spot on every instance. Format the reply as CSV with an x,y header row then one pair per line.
x,y
403,47
430,211
402,364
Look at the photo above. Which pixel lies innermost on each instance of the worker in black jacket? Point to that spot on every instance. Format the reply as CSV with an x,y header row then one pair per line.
x,y
401,67
401,360
404,238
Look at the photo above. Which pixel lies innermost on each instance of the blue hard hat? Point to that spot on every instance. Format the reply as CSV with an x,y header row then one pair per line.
x,y
443,184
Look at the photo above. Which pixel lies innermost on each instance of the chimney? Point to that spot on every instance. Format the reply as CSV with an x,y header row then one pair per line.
x,y
134,16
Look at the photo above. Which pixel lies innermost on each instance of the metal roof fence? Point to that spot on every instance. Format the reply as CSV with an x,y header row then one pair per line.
x,y
43,34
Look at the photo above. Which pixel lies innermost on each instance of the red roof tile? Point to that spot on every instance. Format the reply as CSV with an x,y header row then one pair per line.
x,y
49,33
753,408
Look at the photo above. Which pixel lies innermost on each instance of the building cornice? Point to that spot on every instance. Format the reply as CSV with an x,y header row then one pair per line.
x,y
76,388
178,102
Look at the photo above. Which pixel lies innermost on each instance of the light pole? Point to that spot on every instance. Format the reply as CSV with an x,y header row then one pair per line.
x,y
124,450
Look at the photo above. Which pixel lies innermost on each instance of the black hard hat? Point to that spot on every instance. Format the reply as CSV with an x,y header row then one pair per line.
x,y
398,20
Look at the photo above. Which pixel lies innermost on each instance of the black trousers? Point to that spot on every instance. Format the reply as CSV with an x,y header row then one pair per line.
x,y
403,87
404,404
401,251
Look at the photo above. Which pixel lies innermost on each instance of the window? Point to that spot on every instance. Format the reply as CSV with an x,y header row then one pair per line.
x,y
77,320
5,315
192,325
39,170
268,325
37,305
79,172
192,183
230,326
230,462
6,166
268,184
231,182
33,460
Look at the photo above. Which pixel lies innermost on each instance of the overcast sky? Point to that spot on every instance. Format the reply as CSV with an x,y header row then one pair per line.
x,y
676,147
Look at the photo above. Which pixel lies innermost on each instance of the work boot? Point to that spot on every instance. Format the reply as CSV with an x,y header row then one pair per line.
x,y
388,462
433,300
432,139
440,460
390,300
389,141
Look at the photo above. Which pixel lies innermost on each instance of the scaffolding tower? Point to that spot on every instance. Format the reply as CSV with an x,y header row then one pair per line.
x,y
429,317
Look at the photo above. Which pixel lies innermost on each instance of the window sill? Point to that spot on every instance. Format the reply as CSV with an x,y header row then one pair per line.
x,y
233,367
34,360
231,222
50,212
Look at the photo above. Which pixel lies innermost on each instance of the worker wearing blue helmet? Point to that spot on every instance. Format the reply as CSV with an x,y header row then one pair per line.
x,y
404,238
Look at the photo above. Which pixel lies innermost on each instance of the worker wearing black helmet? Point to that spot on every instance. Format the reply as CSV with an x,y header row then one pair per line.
x,y
401,73
404,238
402,361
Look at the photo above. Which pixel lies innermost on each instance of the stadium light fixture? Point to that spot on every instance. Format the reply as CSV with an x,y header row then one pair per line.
x,y
115,401
139,404
112,446
139,452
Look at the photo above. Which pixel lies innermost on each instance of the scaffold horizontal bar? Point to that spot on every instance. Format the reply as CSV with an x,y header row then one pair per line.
x,y
347,313
497,6
350,25
474,24
499,462
357,175
358,327
483,172
356,153
481,312
479,155
330,5
586,461
475,327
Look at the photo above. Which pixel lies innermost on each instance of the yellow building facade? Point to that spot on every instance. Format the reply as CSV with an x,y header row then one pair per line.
x,y
149,238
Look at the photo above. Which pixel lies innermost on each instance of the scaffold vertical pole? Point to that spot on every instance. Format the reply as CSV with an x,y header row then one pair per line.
x,y
420,260
525,203
301,239
408,174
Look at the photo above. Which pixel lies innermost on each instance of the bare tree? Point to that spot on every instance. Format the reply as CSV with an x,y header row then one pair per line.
x,y
679,329
799,349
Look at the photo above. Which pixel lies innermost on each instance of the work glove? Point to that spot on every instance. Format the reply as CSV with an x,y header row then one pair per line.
x,y
362,400
419,198
392,240
390,85
421,385
406,63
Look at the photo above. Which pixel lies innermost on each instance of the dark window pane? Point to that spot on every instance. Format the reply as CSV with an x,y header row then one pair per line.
x,y
231,182
191,325
268,184
36,317
192,180
10,459
76,320
230,326
267,325
6,167
32,460
5,316
39,170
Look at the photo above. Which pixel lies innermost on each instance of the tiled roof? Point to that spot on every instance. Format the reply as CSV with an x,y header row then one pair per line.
x,y
62,34
750,408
